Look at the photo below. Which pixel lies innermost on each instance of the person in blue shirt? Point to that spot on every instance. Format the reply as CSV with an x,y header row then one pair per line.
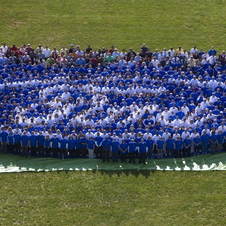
x,y
213,142
170,146
151,144
187,142
63,146
143,149
71,147
83,145
98,146
197,144
33,144
47,146
106,145
123,148
160,146
220,140
224,143
17,145
54,145
115,149
205,142
132,146
77,146
178,147
212,51
24,141
91,147
11,143
4,139
40,143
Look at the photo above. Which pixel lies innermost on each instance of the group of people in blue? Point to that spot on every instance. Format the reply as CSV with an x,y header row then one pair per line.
x,y
114,105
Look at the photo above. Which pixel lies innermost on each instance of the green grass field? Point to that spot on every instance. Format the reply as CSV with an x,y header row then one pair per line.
x,y
124,23
113,198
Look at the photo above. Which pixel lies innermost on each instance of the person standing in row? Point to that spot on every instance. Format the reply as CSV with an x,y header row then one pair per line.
x,y
123,148
106,144
143,149
91,147
187,146
132,150
159,146
115,149
33,143
47,146
63,146
24,144
55,146
150,144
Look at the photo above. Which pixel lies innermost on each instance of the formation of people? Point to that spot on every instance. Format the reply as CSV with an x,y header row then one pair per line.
x,y
112,104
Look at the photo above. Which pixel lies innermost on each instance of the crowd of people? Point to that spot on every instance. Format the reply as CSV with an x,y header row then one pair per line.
x,y
112,104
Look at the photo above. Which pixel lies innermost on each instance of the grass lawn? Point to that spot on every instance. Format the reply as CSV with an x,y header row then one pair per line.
x,y
102,197
123,23
113,198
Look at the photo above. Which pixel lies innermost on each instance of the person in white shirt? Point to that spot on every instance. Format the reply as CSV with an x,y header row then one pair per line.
x,y
155,62
212,59
46,52
65,96
185,109
4,48
185,134
194,50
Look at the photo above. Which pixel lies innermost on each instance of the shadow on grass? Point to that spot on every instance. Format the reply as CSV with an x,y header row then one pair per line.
x,y
134,172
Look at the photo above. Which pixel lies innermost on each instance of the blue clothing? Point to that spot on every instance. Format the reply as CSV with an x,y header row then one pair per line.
x,y
170,144
160,144
71,144
213,139
24,140
115,146
83,143
132,147
41,140
33,140
187,143
178,145
106,144
142,147
123,148
220,138
205,140
91,144
10,140
4,136
17,138
98,140
150,144
47,143
54,142
197,141
63,143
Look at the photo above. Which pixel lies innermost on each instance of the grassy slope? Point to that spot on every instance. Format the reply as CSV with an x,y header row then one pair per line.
x,y
124,23
113,198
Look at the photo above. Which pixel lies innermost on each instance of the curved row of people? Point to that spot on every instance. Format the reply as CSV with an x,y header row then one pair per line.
x,y
104,145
